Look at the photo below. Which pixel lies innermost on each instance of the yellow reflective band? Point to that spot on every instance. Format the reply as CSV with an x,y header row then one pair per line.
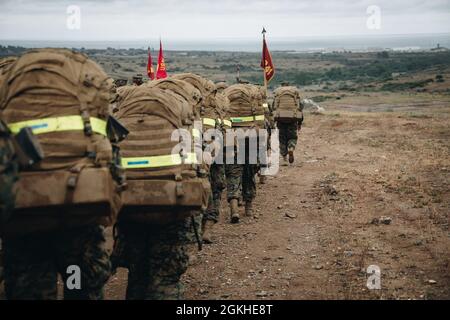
x,y
158,161
227,123
247,119
212,122
57,124
209,122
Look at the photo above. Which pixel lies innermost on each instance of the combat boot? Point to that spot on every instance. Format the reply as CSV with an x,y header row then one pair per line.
x,y
207,231
291,155
249,209
284,161
234,210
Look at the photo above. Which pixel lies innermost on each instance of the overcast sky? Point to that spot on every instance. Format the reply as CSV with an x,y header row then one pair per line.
x,y
216,19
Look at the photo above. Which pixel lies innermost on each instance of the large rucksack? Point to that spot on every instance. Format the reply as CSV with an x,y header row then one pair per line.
x,y
245,108
162,186
287,104
193,97
213,112
64,97
183,89
221,86
213,105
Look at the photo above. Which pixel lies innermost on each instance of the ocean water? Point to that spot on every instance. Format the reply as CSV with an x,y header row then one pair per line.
x,y
306,44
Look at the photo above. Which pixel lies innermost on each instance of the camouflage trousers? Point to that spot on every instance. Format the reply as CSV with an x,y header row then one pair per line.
x,y
156,257
32,264
287,136
8,177
241,181
218,184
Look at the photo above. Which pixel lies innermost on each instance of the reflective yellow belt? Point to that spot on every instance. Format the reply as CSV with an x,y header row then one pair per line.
x,y
226,122
68,123
212,122
209,122
247,119
158,161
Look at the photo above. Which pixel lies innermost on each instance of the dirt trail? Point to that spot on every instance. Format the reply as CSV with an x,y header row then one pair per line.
x,y
350,170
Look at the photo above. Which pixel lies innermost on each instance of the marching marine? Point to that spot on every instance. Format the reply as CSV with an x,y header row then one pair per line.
x,y
288,115
58,222
247,116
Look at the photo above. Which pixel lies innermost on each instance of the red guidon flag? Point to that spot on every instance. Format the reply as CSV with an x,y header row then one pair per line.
x,y
150,70
161,72
266,62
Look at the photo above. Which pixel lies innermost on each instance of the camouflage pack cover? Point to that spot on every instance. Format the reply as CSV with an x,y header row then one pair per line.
x,y
158,194
221,86
287,104
245,101
187,92
55,91
123,91
184,90
209,107
223,104
213,107
205,86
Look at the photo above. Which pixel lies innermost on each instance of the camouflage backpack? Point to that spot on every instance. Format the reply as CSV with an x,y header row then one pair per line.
x,y
212,112
162,186
246,108
64,97
184,90
287,106
221,86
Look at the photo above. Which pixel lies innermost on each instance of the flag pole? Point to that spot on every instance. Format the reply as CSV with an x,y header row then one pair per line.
x,y
264,69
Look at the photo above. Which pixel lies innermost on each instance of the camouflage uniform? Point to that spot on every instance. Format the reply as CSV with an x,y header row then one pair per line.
x,y
120,83
138,80
33,262
241,177
156,257
9,168
288,131
241,181
218,184
287,136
